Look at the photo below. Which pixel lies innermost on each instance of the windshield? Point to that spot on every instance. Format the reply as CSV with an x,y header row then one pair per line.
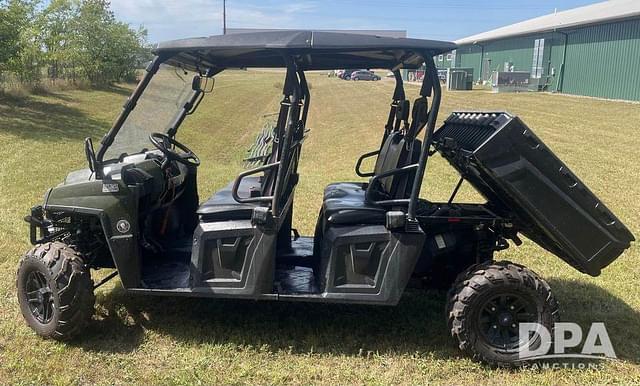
x,y
155,111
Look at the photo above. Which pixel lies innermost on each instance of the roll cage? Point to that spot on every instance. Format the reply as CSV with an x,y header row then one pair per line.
x,y
301,51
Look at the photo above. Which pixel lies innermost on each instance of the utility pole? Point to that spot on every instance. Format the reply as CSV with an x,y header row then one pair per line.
x,y
224,17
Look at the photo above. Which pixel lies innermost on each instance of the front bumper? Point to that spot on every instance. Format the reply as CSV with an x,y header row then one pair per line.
x,y
37,222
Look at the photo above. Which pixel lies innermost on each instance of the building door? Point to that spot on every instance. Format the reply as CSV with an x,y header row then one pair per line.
x,y
486,69
537,67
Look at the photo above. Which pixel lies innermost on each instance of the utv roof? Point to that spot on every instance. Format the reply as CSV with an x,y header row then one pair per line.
x,y
317,50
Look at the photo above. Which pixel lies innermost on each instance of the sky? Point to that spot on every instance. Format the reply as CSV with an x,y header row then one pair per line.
x,y
435,19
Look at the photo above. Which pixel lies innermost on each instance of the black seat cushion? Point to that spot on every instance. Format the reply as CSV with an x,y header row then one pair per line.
x,y
344,203
328,191
221,206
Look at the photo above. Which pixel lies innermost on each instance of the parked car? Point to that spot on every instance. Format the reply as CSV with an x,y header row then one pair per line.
x,y
364,75
346,74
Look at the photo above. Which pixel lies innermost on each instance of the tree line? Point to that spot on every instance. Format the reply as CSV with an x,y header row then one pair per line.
x,y
69,40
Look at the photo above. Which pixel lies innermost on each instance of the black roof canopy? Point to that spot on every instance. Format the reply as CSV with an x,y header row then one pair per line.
x,y
315,50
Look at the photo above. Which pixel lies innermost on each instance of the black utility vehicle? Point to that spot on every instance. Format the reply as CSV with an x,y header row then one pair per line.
x,y
136,207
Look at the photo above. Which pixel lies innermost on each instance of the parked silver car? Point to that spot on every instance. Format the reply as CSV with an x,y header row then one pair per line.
x,y
364,75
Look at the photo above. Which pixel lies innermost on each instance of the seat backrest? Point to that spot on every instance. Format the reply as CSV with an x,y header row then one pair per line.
x,y
419,117
401,148
402,184
402,110
396,152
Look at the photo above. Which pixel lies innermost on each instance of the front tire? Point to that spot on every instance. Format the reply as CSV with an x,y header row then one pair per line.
x,y
55,290
488,302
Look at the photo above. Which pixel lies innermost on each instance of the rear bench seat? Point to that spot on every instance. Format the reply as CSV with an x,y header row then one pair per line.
x,y
345,203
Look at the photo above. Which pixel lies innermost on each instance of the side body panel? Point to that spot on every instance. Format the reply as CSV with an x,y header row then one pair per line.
x,y
368,264
233,258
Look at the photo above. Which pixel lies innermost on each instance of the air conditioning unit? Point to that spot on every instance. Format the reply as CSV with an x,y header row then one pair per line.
x,y
510,81
460,78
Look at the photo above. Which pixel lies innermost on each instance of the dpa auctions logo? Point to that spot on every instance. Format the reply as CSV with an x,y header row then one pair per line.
x,y
596,345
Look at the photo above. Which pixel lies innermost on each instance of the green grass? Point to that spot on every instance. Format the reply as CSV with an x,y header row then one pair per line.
x,y
150,340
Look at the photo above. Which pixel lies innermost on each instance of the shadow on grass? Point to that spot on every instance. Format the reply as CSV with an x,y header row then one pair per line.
x,y
51,94
43,121
586,303
124,89
416,325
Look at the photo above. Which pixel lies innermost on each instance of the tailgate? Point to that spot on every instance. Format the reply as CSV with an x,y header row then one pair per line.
x,y
502,158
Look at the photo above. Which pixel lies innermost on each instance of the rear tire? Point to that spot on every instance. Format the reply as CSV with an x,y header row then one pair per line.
x,y
55,290
488,300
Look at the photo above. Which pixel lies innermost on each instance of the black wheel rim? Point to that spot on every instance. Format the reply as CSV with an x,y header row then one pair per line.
x,y
500,316
39,297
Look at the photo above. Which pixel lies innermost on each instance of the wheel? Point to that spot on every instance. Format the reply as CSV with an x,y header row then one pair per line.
x,y
486,304
55,290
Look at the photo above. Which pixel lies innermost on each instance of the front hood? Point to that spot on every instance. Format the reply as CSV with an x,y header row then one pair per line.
x,y
78,176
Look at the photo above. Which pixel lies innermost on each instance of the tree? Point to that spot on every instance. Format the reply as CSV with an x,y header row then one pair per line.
x,y
10,32
10,35
15,44
107,50
55,24
70,38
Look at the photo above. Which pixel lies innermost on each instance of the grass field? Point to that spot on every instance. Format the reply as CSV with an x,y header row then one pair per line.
x,y
186,341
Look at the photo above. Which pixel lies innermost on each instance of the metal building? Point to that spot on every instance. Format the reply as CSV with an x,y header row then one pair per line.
x,y
592,50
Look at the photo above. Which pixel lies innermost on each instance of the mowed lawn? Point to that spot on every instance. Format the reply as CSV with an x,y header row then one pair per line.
x,y
154,340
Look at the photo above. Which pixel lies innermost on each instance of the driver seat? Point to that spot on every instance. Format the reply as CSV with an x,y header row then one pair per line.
x,y
222,207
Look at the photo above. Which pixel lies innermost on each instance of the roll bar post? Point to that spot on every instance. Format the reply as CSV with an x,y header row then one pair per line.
x,y
430,87
305,94
292,122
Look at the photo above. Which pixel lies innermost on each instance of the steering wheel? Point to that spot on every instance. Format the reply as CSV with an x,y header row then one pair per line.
x,y
168,146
